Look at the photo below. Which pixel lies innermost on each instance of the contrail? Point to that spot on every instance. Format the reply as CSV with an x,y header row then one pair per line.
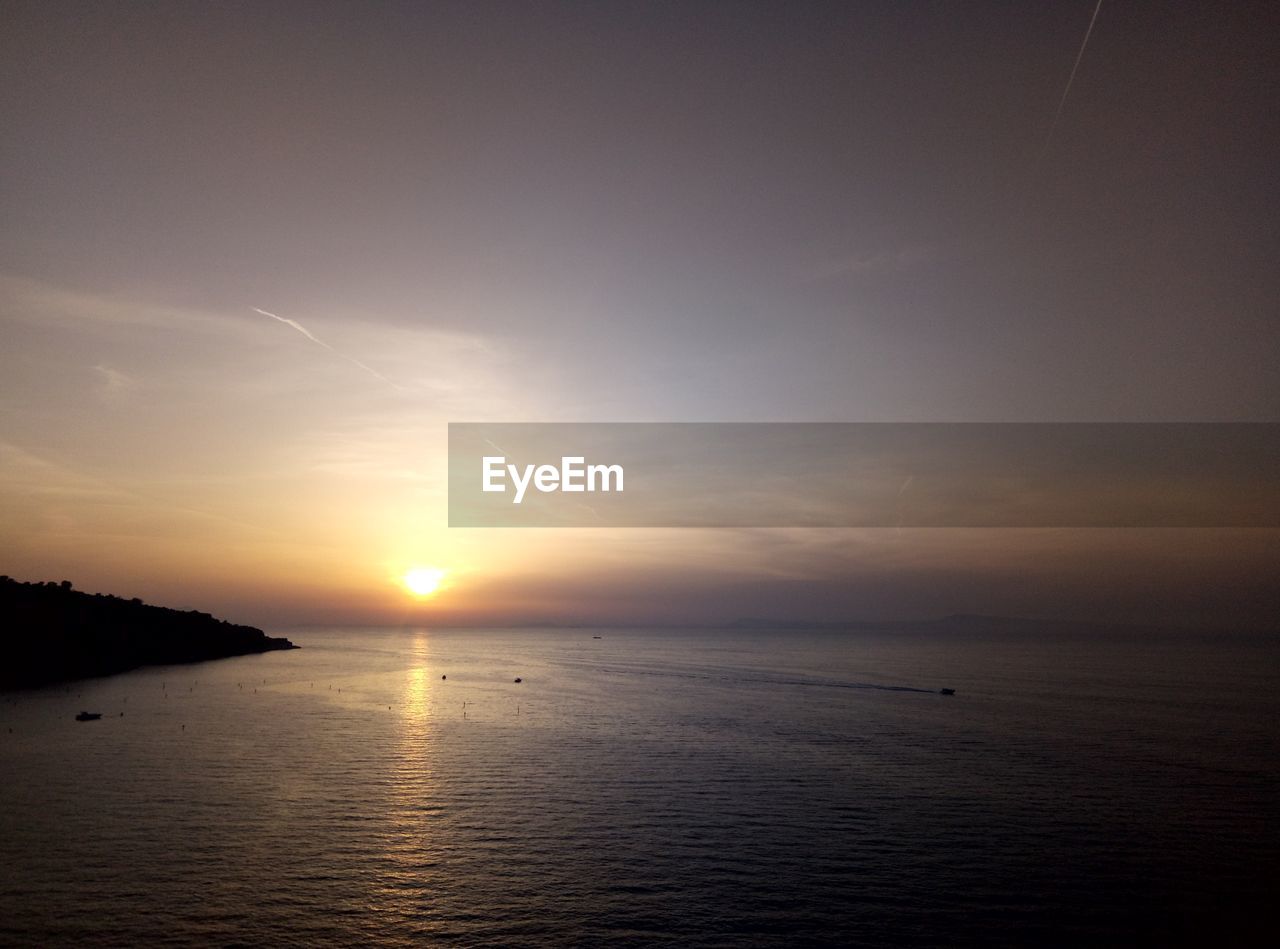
x,y
1072,78
296,325
311,336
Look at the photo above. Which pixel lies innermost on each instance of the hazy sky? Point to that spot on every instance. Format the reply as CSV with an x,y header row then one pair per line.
x,y
611,212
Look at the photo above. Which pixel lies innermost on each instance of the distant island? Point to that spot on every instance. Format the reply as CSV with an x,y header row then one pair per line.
x,y
54,633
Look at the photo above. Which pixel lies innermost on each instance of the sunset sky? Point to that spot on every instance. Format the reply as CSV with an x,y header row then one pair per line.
x,y
613,212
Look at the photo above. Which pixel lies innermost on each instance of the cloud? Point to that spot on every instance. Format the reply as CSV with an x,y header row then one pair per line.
x,y
26,474
38,481
45,305
461,374
861,264
113,380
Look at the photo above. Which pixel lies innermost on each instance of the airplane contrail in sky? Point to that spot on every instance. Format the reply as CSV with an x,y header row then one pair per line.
x,y
311,336
1072,78
296,325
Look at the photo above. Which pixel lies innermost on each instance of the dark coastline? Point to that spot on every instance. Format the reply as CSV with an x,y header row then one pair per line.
x,y
54,633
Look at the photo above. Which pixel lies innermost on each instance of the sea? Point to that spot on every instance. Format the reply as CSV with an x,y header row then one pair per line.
x,y
655,787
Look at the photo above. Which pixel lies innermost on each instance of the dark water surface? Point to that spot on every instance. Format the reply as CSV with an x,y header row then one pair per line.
x,y
654,787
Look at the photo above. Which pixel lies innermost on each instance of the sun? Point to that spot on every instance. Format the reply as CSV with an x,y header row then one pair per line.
x,y
423,581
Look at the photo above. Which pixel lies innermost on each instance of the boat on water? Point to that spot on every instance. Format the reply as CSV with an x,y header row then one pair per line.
x,y
88,716
948,691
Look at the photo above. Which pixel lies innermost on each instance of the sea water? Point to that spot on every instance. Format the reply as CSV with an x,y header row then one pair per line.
x,y
680,787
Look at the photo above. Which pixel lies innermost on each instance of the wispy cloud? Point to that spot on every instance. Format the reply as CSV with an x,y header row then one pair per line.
x,y
29,475
113,380
40,304
860,264
363,447
40,481
462,373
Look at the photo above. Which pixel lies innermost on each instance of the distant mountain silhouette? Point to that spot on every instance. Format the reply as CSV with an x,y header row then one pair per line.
x,y
54,633
954,622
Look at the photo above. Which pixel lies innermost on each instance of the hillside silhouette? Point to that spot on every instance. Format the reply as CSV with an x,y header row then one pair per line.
x,y
53,633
